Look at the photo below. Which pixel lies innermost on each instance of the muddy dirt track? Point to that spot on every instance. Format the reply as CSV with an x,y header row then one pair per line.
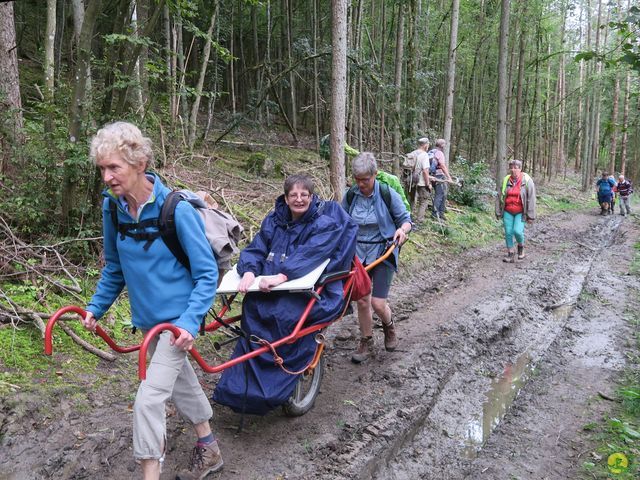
x,y
498,369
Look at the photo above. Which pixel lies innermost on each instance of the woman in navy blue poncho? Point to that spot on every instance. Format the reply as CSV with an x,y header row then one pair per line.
x,y
296,236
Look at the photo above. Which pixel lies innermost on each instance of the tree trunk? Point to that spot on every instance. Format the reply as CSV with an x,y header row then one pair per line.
x,y
293,111
114,57
397,105
11,136
409,130
625,125
503,90
579,114
338,95
49,63
170,60
232,65
78,106
381,95
138,101
143,18
451,78
193,120
316,86
133,56
517,130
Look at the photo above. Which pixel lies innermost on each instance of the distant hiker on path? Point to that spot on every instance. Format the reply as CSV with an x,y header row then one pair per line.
x,y
625,190
421,172
441,186
378,223
516,204
160,288
604,189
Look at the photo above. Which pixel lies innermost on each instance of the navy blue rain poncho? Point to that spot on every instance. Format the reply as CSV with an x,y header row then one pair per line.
x,y
293,248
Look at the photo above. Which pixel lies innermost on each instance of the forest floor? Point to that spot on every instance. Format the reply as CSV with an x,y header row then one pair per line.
x,y
499,368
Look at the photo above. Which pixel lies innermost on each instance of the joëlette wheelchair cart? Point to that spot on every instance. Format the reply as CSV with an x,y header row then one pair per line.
x,y
310,378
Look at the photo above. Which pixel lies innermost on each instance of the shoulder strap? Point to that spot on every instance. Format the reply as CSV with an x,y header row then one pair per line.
x,y
386,195
350,194
113,211
167,227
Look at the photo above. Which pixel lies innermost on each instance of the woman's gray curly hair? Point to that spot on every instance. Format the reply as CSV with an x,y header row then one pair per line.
x,y
364,165
125,139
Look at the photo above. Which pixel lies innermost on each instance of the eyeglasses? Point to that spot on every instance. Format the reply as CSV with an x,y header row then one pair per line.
x,y
364,179
295,196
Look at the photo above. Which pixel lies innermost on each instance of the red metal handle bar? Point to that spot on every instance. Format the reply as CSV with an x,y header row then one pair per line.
x,y
297,332
293,336
48,343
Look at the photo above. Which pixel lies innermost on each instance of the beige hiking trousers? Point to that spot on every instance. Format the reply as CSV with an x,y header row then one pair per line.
x,y
169,375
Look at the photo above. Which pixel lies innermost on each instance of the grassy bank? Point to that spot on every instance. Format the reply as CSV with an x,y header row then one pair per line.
x,y
617,435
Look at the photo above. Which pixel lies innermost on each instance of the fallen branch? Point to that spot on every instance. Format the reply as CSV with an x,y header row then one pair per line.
x,y
86,345
607,397
37,321
10,385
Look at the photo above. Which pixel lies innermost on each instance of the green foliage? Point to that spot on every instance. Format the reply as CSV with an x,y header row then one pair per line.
x,y
631,399
478,183
33,205
256,163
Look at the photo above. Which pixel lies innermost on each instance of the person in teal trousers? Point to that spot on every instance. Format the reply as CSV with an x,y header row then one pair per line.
x,y
516,205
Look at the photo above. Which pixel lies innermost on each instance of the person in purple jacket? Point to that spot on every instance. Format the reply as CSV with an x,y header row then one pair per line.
x,y
160,290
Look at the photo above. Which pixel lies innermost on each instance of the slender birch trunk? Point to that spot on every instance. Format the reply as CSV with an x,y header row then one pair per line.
x,y
501,128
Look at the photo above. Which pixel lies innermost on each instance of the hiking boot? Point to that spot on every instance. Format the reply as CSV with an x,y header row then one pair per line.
x,y
364,351
390,338
204,460
510,258
521,254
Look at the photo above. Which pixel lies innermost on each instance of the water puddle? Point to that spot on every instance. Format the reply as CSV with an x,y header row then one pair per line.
x,y
503,391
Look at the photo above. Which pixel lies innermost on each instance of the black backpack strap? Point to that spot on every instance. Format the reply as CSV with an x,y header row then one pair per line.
x,y
113,211
167,228
386,195
350,194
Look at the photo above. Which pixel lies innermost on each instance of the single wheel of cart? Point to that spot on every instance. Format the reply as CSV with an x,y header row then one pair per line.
x,y
306,391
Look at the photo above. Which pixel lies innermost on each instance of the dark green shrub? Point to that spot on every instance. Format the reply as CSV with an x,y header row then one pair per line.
x,y
478,185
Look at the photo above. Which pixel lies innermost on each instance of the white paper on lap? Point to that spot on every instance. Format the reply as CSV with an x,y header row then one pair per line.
x,y
231,280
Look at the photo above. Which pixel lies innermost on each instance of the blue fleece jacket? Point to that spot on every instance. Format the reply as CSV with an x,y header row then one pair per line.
x,y
160,288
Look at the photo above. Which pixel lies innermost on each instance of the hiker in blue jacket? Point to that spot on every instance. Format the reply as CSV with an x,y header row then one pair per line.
x,y
160,290
295,237
378,222
604,189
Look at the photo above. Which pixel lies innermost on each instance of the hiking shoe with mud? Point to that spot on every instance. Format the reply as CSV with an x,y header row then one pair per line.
x,y
364,351
204,460
390,338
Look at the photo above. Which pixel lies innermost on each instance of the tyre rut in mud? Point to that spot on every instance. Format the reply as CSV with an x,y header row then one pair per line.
x,y
437,413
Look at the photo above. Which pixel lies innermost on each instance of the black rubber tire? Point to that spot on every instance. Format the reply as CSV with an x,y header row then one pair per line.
x,y
305,393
